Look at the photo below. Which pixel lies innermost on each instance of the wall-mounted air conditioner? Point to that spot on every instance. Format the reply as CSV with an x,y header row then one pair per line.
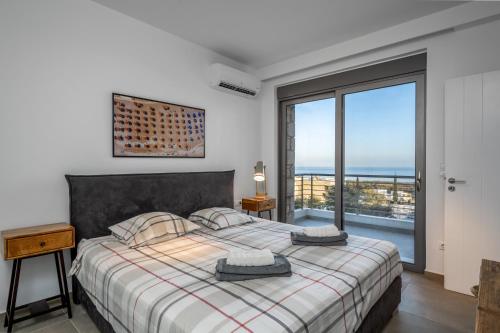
x,y
234,81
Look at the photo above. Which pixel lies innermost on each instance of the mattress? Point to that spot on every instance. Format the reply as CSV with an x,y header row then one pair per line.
x,y
170,286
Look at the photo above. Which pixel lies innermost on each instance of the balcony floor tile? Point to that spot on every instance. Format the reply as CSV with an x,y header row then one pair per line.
x,y
403,240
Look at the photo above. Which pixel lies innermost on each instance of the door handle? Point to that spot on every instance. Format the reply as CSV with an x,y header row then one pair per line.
x,y
452,180
419,182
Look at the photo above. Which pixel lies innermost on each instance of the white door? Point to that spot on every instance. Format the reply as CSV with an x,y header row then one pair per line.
x,y
472,160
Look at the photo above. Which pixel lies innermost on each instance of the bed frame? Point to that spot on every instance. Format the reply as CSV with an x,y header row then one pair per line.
x,y
99,201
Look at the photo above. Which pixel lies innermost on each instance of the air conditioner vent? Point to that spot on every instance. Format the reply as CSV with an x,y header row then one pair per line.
x,y
231,80
238,89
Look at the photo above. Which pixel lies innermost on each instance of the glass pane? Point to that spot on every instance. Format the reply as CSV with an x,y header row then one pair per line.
x,y
315,162
379,180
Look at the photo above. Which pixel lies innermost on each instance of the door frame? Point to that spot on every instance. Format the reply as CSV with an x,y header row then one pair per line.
x,y
420,158
420,152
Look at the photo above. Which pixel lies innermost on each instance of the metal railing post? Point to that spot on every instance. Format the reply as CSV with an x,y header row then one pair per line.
x,y
311,200
357,195
302,192
395,191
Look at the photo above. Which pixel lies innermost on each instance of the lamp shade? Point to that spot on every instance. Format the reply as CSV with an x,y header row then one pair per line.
x,y
259,174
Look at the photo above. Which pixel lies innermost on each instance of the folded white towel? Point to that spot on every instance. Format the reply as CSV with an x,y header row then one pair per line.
x,y
250,257
327,231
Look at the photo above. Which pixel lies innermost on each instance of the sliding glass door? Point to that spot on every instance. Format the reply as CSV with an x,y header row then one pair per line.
x,y
314,146
356,157
307,162
383,164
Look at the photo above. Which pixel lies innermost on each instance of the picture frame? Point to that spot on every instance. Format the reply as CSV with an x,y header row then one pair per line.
x,y
145,127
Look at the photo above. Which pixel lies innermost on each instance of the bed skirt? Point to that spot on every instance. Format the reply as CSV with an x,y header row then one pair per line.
x,y
375,320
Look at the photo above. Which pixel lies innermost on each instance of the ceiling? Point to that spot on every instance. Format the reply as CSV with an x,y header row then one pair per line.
x,y
261,32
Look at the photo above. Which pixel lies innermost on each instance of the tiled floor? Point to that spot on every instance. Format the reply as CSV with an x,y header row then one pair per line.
x,y
425,307
403,240
57,322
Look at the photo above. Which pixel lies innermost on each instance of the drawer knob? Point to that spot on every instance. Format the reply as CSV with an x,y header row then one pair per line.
x,y
42,243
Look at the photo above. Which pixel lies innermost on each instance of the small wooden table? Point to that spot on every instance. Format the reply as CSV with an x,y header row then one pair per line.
x,y
488,308
259,205
22,243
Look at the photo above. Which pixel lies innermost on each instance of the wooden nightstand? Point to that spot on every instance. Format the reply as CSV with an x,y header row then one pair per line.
x,y
259,205
22,243
488,309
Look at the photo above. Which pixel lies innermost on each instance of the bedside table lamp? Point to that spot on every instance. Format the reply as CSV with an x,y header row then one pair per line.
x,y
261,202
259,176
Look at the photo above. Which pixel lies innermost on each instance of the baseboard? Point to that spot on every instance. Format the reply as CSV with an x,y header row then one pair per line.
x,y
434,276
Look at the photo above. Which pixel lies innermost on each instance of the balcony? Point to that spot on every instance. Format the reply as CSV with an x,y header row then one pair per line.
x,y
376,206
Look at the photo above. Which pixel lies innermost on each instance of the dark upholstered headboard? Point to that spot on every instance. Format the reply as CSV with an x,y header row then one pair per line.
x,y
99,201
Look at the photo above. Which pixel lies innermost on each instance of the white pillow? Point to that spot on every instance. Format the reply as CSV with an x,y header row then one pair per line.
x,y
218,218
151,228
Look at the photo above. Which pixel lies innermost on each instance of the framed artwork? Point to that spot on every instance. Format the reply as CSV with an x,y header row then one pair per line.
x,y
147,128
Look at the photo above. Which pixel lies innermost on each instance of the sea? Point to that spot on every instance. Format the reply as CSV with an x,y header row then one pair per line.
x,y
376,171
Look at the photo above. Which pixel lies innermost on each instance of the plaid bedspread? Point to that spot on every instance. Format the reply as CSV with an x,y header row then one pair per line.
x,y
170,286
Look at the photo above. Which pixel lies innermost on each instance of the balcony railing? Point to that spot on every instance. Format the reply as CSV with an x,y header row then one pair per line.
x,y
372,195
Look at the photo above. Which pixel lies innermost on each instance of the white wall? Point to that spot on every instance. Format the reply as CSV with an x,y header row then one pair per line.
x,y
60,60
474,49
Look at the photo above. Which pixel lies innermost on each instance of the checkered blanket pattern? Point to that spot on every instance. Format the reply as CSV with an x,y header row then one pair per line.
x,y
170,286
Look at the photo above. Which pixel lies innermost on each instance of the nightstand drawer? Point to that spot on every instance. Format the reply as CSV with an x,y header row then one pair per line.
x,y
267,204
257,204
250,205
38,244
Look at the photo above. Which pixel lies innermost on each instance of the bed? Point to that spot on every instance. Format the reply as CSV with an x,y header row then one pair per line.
x,y
169,287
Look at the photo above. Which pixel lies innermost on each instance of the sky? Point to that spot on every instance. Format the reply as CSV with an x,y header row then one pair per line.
x,y
379,129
